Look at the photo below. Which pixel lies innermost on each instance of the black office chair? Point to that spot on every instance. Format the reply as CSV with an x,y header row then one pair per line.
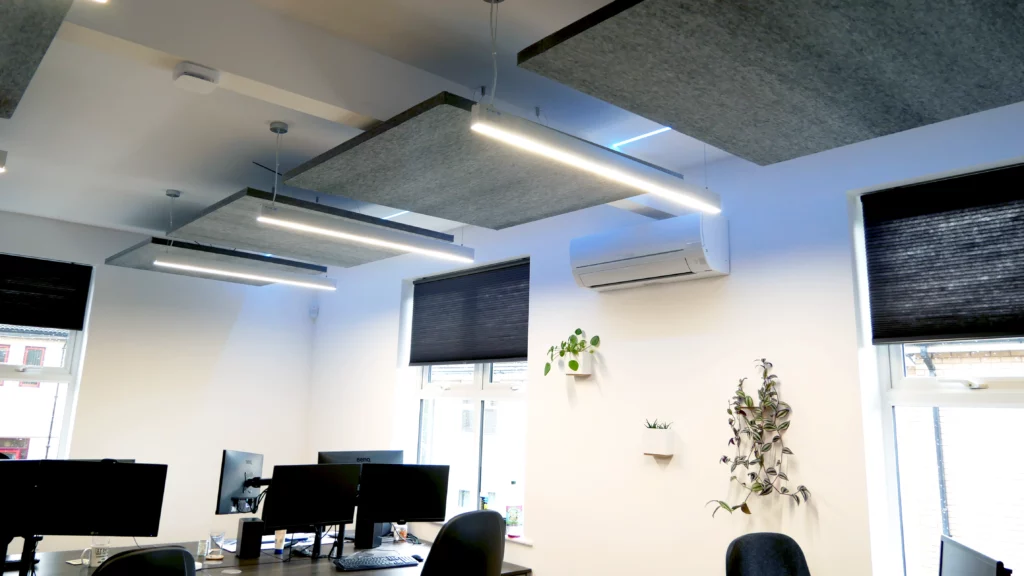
x,y
765,554
471,544
157,561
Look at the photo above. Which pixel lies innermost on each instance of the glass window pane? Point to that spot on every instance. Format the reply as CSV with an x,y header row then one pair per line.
x,y
504,456
449,434
33,346
978,358
984,507
513,374
451,374
919,490
31,417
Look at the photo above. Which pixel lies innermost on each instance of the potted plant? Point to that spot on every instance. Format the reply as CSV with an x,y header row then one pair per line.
x,y
577,352
657,438
758,426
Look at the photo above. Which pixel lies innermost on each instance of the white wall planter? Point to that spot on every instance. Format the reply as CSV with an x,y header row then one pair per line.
x,y
586,360
658,442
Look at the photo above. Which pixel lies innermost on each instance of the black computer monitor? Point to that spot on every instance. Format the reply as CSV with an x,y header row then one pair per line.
x,y
240,481
312,494
399,493
955,559
309,497
78,498
362,457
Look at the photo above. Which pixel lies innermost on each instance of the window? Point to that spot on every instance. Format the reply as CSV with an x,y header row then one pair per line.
x,y
473,418
34,356
34,400
956,408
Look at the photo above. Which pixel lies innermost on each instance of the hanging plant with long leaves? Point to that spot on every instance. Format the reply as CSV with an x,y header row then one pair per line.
x,y
758,427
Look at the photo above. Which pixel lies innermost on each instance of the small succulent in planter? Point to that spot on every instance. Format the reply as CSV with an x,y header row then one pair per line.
x,y
658,438
573,347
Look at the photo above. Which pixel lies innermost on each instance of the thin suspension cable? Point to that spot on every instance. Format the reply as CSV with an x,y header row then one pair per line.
x,y
493,21
277,166
705,165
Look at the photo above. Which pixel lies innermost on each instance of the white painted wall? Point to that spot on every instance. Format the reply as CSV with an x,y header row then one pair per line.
x,y
674,352
176,369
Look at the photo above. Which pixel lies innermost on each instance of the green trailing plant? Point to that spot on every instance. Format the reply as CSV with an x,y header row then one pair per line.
x,y
657,425
758,426
572,347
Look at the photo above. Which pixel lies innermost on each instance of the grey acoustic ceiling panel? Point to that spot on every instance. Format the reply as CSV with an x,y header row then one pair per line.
x,y
427,160
232,222
771,80
27,28
143,255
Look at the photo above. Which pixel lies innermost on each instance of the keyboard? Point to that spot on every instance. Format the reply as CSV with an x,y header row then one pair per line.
x,y
359,563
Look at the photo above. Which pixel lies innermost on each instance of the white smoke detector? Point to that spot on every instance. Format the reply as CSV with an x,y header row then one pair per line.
x,y
195,78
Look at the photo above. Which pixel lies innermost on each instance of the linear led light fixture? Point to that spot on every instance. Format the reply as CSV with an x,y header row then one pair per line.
x,y
225,271
569,150
363,233
641,137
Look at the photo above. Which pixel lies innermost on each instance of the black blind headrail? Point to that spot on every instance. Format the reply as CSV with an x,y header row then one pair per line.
x,y
481,316
946,258
43,293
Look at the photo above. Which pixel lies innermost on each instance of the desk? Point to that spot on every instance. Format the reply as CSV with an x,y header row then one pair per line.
x,y
54,563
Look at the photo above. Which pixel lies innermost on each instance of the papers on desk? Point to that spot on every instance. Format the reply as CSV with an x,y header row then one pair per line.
x,y
299,539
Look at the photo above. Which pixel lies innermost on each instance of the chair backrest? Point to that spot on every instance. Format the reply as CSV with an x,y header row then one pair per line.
x,y
765,554
471,544
156,561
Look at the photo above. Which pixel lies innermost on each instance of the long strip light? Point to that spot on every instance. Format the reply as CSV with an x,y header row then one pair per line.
x,y
312,282
569,150
362,233
641,137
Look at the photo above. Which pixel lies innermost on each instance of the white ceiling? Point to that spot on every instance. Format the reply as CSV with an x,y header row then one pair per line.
x,y
100,136
102,132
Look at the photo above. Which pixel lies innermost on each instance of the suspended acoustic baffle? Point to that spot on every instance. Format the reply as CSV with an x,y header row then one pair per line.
x,y
192,259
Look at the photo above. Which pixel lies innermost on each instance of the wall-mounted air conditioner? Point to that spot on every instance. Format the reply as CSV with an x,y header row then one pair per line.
x,y
682,248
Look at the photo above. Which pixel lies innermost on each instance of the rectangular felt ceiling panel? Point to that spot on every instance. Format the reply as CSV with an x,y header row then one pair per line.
x,y
771,80
232,222
427,160
27,28
142,255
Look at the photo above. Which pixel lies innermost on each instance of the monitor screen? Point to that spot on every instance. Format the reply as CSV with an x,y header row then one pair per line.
x,y
76,498
233,496
313,494
403,493
362,457
959,560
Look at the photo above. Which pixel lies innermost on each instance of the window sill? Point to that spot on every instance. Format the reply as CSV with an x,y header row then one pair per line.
x,y
522,540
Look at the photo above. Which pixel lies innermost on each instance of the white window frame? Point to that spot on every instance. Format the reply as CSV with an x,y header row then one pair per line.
x,y
66,373
899,390
480,391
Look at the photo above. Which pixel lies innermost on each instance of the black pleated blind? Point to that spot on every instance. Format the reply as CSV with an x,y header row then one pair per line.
x,y
946,258
43,293
481,316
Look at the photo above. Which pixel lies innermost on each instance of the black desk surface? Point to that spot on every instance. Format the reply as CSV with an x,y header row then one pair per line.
x,y
54,563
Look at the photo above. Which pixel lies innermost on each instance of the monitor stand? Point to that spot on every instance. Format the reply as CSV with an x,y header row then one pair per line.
x,y
367,534
24,564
